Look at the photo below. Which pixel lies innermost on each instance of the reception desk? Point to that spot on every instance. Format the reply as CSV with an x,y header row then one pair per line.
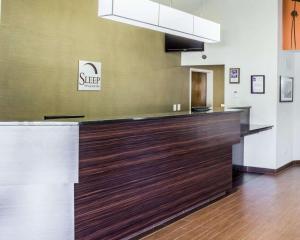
x,y
38,170
138,174
130,175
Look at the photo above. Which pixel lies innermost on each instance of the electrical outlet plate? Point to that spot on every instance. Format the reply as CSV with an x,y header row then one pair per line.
x,y
174,108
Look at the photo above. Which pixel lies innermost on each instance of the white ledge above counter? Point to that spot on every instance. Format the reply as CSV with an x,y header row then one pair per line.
x,y
49,123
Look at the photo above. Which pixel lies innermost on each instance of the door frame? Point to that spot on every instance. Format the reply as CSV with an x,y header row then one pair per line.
x,y
209,89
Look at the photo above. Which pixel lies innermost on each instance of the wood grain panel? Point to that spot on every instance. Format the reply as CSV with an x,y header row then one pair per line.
x,y
136,174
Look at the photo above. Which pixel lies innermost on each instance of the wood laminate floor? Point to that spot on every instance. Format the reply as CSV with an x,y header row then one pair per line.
x,y
264,208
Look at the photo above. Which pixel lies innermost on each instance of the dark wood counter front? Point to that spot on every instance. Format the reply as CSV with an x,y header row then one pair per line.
x,y
135,175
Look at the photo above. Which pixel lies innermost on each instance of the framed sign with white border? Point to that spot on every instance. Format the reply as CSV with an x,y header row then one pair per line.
x,y
89,76
286,89
258,84
234,75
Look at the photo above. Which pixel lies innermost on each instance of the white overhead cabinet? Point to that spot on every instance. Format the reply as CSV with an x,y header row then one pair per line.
x,y
141,13
176,20
207,29
158,17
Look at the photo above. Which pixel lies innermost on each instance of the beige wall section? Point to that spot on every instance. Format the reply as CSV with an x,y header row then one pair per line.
x,y
219,88
41,43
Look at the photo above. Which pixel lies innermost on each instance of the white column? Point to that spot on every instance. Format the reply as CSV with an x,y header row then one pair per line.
x,y
38,169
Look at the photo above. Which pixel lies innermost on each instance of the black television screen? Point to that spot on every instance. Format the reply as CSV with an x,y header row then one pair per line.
x,y
180,44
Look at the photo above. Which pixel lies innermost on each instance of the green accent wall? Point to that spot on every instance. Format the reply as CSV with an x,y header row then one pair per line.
x,y
41,42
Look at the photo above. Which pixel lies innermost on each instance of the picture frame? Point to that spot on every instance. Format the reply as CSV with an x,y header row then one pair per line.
x,y
234,75
286,86
258,84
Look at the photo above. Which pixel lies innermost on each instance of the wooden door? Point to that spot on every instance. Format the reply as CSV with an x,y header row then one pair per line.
x,y
199,89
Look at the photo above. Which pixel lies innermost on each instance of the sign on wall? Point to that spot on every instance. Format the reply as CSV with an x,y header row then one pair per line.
x,y
89,78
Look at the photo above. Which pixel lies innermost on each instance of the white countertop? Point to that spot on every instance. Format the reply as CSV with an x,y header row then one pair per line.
x,y
38,124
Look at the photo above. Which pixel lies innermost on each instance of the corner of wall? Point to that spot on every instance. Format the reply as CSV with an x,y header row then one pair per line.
x,y
0,11
285,121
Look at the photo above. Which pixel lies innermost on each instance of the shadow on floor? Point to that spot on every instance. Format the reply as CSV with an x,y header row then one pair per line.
x,y
240,178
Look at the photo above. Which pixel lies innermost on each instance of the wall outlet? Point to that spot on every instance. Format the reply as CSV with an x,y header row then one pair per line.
x,y
174,108
235,94
179,107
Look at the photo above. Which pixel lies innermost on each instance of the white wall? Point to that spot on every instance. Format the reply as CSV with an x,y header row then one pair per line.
x,y
285,120
259,151
296,112
250,42
288,114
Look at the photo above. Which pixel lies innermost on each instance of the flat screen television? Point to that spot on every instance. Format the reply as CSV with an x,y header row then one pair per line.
x,y
180,44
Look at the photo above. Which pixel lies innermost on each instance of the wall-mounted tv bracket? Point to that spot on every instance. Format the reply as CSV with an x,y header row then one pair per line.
x,y
294,15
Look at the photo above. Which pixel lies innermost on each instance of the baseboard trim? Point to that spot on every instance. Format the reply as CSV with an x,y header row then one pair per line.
x,y
266,171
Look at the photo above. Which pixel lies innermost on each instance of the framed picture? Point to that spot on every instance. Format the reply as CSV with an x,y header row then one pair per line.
x,y
258,84
286,89
234,77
